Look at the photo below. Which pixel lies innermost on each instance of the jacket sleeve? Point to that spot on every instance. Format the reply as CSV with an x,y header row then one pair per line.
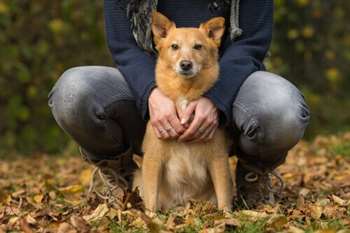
x,y
244,56
136,65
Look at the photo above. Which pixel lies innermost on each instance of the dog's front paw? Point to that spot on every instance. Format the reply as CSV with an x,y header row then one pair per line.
x,y
150,213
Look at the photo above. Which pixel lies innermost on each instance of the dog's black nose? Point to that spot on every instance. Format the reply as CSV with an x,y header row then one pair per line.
x,y
186,65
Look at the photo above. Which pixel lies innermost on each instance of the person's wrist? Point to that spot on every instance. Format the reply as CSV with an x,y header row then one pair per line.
x,y
153,93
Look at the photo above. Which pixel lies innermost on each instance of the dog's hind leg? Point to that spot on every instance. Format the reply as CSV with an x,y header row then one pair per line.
x,y
221,177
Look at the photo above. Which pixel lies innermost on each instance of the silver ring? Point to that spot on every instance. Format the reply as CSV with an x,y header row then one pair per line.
x,y
200,130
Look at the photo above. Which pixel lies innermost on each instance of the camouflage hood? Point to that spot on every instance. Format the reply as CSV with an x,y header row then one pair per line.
x,y
139,13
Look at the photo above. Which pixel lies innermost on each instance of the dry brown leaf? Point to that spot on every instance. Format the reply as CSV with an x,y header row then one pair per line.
x,y
38,198
66,228
300,202
98,213
25,226
52,195
217,229
277,222
138,222
344,231
339,201
80,224
326,231
315,211
293,229
13,220
18,193
304,192
323,202
170,223
31,220
71,189
232,222
85,176
254,214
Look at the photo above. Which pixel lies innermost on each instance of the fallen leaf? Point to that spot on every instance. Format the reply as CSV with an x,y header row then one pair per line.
x,y
66,228
85,176
72,189
323,202
293,229
52,195
304,192
80,224
344,231
217,229
277,222
254,214
13,220
326,231
300,202
98,213
339,201
18,193
25,226
232,222
315,211
31,220
38,198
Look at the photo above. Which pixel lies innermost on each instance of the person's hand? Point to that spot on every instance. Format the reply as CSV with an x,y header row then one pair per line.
x,y
163,116
204,123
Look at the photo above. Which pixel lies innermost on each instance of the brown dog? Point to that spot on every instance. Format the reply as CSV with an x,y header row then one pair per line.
x,y
173,173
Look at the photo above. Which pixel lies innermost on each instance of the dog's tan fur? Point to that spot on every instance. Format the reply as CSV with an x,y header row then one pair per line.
x,y
172,172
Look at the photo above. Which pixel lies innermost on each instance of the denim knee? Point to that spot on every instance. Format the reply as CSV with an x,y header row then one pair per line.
x,y
80,112
271,114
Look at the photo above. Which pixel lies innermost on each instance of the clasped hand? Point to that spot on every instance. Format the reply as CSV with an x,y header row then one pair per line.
x,y
198,122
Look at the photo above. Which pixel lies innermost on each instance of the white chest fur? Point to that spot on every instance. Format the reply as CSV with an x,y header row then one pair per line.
x,y
186,175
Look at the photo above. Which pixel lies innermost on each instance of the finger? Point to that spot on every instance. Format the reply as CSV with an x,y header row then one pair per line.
x,y
207,123
211,135
189,133
170,130
164,134
201,130
205,134
176,125
188,112
157,132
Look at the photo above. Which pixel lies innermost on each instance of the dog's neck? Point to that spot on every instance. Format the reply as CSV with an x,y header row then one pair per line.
x,y
182,90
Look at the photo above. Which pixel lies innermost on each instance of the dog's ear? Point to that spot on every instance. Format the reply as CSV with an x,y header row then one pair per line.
x,y
160,26
138,160
214,29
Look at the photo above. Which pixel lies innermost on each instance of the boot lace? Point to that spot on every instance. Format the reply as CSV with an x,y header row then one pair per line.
x,y
263,180
112,181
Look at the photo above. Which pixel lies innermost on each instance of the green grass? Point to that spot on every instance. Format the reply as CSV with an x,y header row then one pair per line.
x,y
342,149
122,228
256,227
326,224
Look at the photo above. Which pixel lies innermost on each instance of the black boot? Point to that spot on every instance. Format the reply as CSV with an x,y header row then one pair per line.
x,y
254,185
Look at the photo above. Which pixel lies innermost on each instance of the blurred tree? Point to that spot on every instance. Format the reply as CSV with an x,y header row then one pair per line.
x,y
40,39
311,47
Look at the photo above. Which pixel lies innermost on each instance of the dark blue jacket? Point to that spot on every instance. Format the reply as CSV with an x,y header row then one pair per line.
x,y
238,58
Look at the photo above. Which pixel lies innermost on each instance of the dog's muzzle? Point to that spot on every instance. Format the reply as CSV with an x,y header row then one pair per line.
x,y
186,68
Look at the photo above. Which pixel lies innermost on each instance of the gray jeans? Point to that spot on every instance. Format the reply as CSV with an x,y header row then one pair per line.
x,y
94,105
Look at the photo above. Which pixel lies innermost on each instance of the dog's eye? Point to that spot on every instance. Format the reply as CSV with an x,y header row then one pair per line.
x,y
198,46
174,46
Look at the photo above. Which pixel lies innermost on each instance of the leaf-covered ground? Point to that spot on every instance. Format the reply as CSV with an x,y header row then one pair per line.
x,y
49,194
